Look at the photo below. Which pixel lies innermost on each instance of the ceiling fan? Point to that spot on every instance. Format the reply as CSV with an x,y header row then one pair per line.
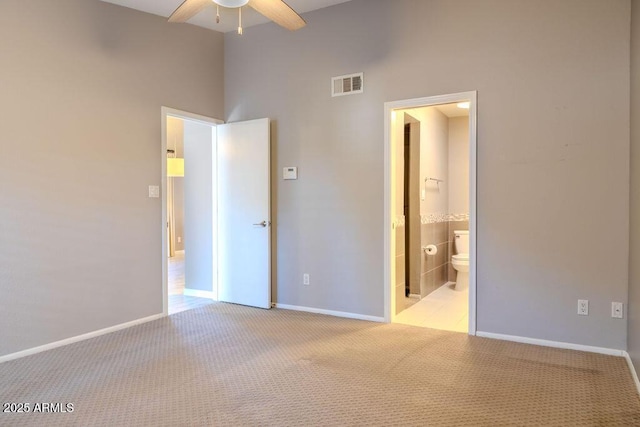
x,y
276,10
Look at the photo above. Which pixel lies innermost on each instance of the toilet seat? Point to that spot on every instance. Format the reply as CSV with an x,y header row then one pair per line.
x,y
461,257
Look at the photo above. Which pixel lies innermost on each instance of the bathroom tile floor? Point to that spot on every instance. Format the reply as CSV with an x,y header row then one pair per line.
x,y
444,309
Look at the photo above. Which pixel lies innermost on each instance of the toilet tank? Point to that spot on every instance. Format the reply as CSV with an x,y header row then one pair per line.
x,y
461,240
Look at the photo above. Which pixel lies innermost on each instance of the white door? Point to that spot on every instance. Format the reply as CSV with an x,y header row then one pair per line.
x,y
244,220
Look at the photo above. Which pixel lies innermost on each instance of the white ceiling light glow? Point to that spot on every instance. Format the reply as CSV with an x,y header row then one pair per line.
x,y
231,3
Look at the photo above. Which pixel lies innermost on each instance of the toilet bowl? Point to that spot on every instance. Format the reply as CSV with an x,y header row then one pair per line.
x,y
460,261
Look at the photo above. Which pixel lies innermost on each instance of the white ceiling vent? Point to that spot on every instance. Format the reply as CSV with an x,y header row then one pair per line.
x,y
347,85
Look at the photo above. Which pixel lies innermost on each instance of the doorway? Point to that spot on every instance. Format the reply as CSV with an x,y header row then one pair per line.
x,y
227,223
189,207
445,219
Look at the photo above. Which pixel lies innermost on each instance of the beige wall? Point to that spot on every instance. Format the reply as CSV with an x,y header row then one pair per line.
x,y
553,145
80,245
398,147
553,108
434,159
458,174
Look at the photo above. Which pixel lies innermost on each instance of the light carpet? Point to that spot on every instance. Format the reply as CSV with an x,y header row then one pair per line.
x,y
231,365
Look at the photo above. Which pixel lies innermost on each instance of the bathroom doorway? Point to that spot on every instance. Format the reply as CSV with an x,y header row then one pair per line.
x,y
430,163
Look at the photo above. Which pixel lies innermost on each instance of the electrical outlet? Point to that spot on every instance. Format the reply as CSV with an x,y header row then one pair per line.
x,y
305,279
583,307
617,310
179,239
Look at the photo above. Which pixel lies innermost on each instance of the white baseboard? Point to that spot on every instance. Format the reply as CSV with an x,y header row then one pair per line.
x,y
555,344
75,339
632,368
199,294
331,313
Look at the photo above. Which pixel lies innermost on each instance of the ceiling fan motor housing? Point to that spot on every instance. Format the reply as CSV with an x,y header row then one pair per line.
x,y
231,3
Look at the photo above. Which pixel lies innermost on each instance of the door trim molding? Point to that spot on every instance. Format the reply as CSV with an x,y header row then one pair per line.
x,y
389,107
185,115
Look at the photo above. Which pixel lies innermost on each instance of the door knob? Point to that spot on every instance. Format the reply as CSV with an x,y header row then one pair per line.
x,y
262,224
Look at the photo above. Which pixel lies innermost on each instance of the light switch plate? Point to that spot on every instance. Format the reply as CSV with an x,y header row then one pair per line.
x,y
154,191
290,172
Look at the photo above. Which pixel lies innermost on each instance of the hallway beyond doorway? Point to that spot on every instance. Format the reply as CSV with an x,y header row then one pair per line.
x,y
179,302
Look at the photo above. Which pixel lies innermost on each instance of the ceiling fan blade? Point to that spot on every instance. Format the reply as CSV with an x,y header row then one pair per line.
x,y
279,12
187,10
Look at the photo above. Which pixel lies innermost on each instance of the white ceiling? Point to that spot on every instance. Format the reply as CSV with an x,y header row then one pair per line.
x,y
452,110
228,17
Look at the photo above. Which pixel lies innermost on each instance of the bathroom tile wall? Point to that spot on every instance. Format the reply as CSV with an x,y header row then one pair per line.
x,y
436,269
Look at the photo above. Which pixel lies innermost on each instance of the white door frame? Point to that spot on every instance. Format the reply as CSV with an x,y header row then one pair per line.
x,y
389,222
185,115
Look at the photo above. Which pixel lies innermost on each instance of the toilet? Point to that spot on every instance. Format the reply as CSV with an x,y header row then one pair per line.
x,y
460,261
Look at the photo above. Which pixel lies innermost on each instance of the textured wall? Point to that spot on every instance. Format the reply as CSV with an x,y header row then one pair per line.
x,y
82,86
553,144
